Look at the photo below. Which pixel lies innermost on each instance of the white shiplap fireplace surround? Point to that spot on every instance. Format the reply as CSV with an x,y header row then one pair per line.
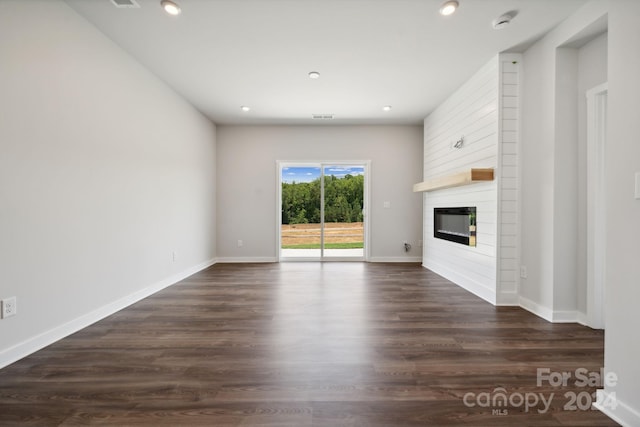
x,y
484,112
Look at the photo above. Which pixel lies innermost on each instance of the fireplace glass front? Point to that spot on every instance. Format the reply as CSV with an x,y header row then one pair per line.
x,y
455,224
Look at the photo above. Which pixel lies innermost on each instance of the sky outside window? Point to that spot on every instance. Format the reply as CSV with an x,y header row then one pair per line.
x,y
308,174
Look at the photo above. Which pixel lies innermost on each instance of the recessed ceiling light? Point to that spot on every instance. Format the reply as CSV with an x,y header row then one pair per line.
x,y
314,75
448,7
245,108
386,108
170,7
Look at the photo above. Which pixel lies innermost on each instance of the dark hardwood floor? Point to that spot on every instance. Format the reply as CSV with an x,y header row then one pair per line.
x,y
306,344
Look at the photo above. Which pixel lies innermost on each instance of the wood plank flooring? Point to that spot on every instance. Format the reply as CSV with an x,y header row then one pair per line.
x,y
305,344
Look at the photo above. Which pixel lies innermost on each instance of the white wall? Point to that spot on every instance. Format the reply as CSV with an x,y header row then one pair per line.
x,y
592,71
578,69
541,128
508,173
472,112
537,176
104,173
247,191
565,186
622,345
549,177
485,110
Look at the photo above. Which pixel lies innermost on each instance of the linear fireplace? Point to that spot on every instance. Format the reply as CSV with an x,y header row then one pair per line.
x,y
455,224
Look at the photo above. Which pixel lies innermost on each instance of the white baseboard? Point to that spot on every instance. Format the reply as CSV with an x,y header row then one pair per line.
x,y
565,316
33,344
464,282
246,260
508,299
230,260
537,309
557,316
583,319
395,259
623,414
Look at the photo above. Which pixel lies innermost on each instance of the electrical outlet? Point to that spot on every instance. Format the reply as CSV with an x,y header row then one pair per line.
x,y
175,256
9,307
523,271
240,243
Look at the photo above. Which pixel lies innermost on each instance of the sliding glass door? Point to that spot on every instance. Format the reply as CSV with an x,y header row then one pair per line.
x,y
322,211
301,212
343,203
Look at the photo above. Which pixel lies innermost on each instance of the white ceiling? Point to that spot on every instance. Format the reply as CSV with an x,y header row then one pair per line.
x,y
221,54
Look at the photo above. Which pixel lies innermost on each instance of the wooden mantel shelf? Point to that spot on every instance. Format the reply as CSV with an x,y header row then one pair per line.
x,y
455,180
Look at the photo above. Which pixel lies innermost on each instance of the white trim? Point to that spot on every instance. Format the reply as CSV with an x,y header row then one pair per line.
x,y
247,260
596,206
507,299
278,225
33,344
548,314
325,259
536,309
520,162
395,259
498,179
565,316
623,414
366,197
582,319
322,164
464,282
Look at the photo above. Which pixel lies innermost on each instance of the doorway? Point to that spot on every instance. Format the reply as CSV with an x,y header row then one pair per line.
x,y
596,203
322,211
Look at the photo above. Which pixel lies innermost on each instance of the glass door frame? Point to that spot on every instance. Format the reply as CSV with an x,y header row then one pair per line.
x,y
366,164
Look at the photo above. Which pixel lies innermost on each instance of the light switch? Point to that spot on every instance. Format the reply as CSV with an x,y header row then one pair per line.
x,y
637,185
386,205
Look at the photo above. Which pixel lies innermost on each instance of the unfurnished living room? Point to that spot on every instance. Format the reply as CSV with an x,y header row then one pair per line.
x,y
319,212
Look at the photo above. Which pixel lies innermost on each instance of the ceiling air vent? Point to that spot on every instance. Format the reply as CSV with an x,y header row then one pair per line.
x,y
322,116
125,4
